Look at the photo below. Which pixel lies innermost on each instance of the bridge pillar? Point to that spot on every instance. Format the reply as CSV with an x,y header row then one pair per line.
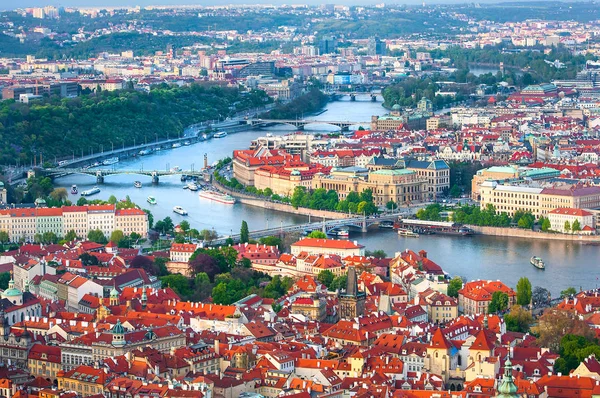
x,y
364,225
154,178
99,178
373,98
344,128
352,97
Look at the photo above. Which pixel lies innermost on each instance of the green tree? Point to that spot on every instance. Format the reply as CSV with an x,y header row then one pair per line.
x,y
498,303
376,253
523,292
244,232
95,235
150,218
576,227
570,291
454,286
567,226
326,277
49,237
455,191
70,236
270,241
518,319
185,226
391,205
546,225
179,283
4,279
339,283
209,235
316,234
4,237
112,199
59,194
116,236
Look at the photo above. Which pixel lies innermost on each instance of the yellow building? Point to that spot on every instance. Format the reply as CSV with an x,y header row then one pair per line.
x,y
496,173
400,185
283,180
85,380
44,361
442,308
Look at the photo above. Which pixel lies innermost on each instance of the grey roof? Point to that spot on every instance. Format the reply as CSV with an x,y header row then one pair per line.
x,y
433,165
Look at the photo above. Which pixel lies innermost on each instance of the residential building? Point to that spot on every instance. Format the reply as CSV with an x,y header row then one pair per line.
x,y
560,217
475,297
342,248
181,252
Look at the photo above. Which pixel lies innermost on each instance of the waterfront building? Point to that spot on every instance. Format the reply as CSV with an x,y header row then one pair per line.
x,y
559,217
282,180
342,248
495,173
246,162
475,297
23,224
437,173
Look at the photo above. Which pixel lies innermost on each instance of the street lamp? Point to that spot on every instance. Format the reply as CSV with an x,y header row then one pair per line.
x,y
112,146
156,137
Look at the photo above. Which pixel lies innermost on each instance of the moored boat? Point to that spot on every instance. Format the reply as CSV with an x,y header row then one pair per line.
x,y
192,186
339,232
386,224
217,197
110,161
137,184
151,200
180,210
220,134
176,145
537,262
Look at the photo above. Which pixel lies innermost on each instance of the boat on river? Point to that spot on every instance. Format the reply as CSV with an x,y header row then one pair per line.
x,y
180,210
217,197
109,161
408,233
137,184
74,189
537,262
176,145
220,134
90,192
192,186
339,232
151,200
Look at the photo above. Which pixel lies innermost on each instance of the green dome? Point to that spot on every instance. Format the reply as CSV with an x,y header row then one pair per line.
x,y
507,388
396,107
114,293
118,328
12,291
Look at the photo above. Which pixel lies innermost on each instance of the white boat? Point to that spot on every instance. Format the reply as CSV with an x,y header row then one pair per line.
x,y
89,192
220,134
151,200
217,197
186,143
407,233
176,145
137,184
180,210
74,189
144,152
340,233
537,262
175,169
110,161
192,186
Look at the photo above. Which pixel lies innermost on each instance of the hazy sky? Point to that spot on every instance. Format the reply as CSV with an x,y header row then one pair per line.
x,y
12,4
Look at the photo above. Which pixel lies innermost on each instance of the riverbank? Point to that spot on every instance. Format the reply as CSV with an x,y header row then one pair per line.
x,y
529,234
267,204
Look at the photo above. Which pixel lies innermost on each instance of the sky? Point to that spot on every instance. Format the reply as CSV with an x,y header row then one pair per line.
x,y
12,4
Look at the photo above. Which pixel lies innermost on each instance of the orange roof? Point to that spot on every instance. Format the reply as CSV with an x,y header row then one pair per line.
x,y
327,243
439,340
567,211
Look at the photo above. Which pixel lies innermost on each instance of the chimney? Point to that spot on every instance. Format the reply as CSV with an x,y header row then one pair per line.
x,y
217,347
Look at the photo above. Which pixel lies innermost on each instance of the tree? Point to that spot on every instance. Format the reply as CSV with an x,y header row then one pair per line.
x,y
150,218
160,265
95,235
523,292
546,225
454,286
326,277
88,259
271,241
70,236
209,235
185,226
244,232
112,199
540,297
376,253
4,237
204,263
518,319
179,283
49,237
498,303
455,191
574,349
116,236
554,324
391,205
570,291
576,227
4,279
567,226
339,283
59,194
144,263
317,235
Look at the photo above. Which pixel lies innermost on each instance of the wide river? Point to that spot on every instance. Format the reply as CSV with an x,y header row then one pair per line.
x,y
480,257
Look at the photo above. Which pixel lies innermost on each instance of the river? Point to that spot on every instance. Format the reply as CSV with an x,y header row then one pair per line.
x,y
477,257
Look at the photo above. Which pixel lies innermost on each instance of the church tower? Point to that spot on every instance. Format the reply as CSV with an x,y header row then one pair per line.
x,y
507,388
352,301
439,355
114,297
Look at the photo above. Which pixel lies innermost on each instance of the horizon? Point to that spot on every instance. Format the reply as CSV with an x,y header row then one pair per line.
x,y
16,4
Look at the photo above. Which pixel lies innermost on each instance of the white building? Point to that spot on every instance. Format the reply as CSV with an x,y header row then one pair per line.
x,y
559,217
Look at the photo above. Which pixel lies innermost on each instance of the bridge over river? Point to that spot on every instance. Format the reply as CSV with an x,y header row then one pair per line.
x,y
362,223
101,173
300,123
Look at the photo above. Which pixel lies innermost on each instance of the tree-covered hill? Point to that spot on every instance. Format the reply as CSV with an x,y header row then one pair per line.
x,y
63,127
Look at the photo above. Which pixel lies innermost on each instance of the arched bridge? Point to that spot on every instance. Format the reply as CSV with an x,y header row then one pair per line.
x,y
326,226
101,173
300,123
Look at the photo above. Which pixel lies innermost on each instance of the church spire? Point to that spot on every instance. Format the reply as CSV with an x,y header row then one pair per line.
x,y
507,388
